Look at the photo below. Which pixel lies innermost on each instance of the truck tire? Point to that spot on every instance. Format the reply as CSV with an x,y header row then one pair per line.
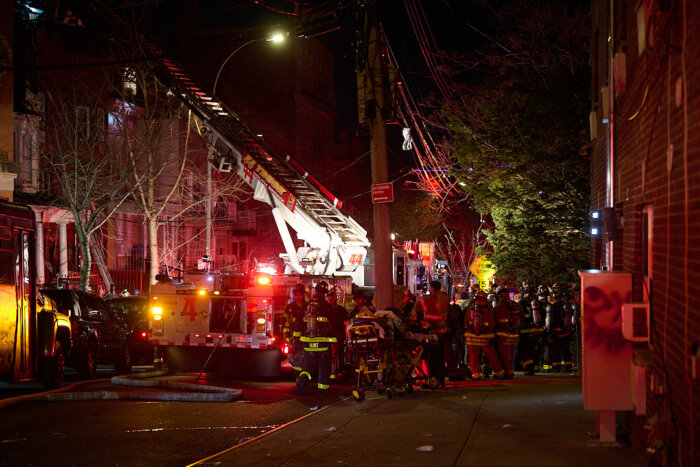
x,y
54,368
123,363
88,364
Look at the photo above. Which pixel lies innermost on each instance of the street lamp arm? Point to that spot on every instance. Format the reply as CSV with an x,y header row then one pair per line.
x,y
229,58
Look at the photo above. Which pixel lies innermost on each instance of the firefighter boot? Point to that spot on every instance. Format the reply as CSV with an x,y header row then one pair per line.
x,y
530,368
302,381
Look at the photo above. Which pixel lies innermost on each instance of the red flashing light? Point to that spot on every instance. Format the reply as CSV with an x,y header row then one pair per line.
x,y
144,334
285,350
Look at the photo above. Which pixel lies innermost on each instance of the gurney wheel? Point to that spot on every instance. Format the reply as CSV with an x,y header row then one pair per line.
x,y
358,394
433,383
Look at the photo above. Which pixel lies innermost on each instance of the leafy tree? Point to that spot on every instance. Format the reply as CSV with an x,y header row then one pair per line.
x,y
518,139
413,217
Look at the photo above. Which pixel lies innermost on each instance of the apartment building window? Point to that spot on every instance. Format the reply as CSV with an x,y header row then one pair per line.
x,y
82,122
240,250
129,81
89,125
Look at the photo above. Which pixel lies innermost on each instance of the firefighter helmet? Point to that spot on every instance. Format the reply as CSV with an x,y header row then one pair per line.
x,y
322,287
360,295
299,289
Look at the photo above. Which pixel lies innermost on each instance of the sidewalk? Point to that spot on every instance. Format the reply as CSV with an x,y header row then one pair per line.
x,y
527,422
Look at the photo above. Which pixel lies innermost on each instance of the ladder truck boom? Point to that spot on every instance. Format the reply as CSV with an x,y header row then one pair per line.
x,y
337,244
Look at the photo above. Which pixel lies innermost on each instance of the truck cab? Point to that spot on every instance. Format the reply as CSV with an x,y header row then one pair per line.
x,y
34,336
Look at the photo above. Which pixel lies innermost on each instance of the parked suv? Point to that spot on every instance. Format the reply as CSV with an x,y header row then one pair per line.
x,y
99,336
134,310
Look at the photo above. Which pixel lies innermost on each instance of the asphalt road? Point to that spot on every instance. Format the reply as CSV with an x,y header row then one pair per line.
x,y
134,433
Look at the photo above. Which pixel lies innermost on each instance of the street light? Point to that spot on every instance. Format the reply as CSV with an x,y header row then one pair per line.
x,y
278,37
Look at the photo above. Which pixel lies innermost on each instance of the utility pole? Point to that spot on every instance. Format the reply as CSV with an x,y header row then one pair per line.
x,y
377,108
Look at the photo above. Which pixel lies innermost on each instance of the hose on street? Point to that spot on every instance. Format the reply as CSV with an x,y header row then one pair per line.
x,y
189,392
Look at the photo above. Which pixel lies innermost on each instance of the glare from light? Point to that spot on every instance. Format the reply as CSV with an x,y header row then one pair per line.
x,y
595,214
393,236
261,320
268,270
264,280
210,278
277,38
202,292
157,310
594,231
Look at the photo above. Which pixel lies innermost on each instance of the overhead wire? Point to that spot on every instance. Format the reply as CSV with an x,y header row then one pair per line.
x,y
429,155
426,41
432,155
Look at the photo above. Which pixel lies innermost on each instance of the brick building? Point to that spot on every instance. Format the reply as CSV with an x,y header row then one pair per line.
x,y
645,132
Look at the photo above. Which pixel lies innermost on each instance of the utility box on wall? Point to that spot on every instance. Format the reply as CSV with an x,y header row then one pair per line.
x,y
607,355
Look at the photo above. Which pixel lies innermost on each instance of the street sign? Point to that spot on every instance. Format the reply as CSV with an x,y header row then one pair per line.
x,y
382,193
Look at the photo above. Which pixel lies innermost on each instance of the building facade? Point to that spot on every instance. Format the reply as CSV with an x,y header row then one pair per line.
x,y
645,170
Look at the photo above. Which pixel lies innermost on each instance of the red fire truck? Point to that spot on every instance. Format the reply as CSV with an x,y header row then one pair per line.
x,y
227,324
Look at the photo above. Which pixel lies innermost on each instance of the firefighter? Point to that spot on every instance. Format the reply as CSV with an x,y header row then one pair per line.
x,y
507,316
479,324
492,295
293,318
559,332
317,337
530,334
339,314
435,309
361,303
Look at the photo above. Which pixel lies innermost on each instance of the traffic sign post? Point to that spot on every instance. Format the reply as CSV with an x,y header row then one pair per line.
x,y
382,193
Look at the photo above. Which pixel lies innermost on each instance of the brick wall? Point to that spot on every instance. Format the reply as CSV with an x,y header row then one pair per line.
x,y
648,121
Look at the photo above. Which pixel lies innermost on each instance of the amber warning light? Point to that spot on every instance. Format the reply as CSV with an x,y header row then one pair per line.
x,y
264,280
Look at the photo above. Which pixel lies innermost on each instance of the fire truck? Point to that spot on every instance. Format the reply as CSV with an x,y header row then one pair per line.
x,y
195,321
34,336
227,324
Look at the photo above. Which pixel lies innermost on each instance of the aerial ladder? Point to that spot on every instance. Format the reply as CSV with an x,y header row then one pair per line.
x,y
335,244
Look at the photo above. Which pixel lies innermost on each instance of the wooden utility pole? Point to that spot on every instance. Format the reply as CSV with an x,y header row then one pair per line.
x,y
377,109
